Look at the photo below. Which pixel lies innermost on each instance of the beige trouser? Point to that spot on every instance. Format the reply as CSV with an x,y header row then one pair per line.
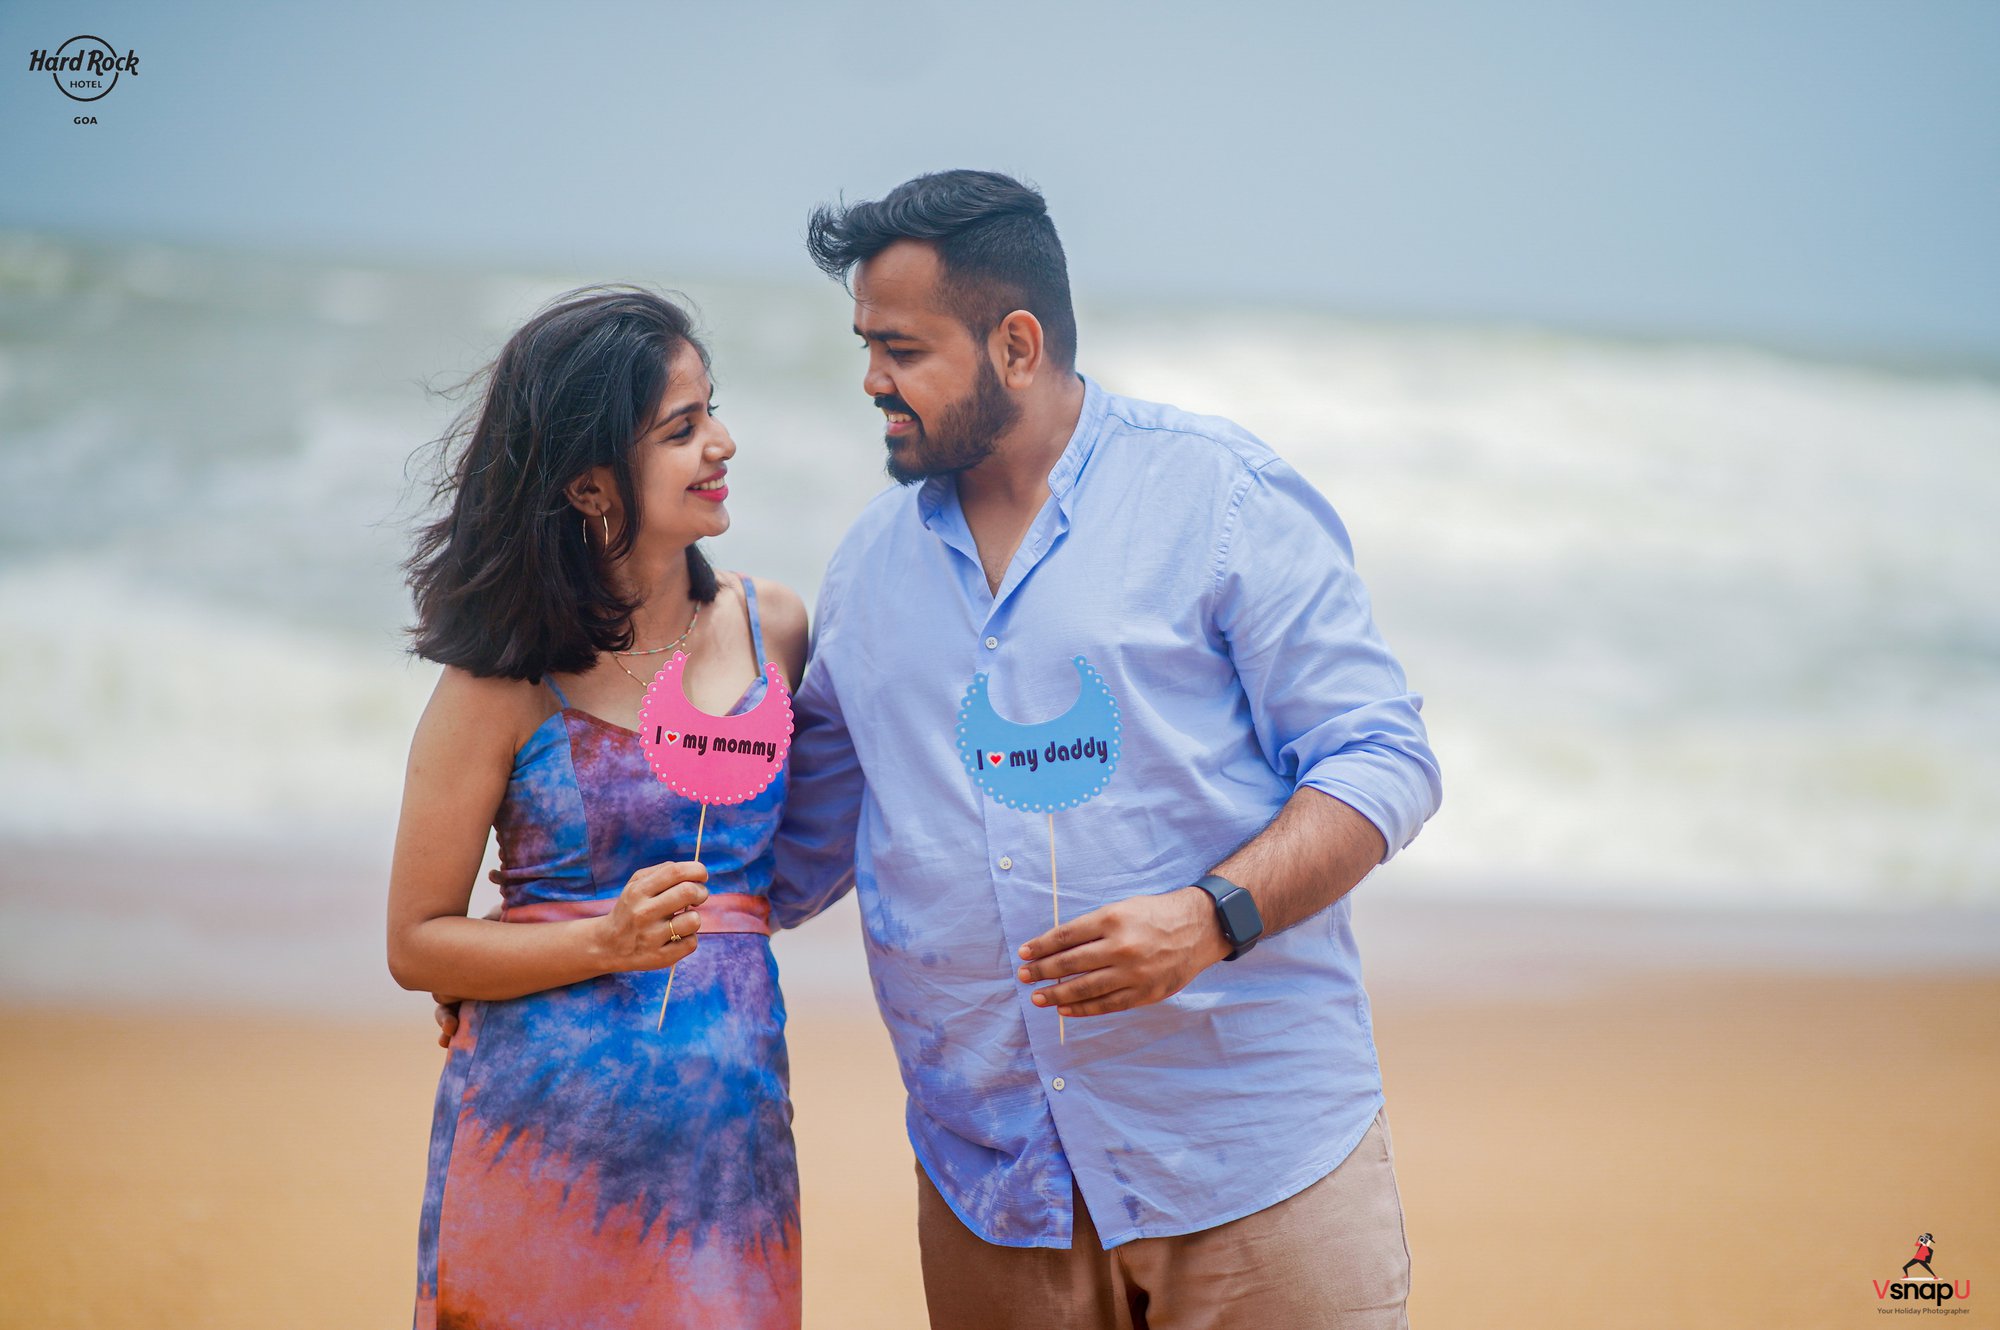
x,y
1332,1256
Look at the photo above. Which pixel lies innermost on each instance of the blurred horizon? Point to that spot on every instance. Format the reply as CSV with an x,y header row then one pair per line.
x,y
1821,179
1917,361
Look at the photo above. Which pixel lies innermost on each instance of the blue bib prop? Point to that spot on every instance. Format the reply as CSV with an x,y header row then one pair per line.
x,y
1045,767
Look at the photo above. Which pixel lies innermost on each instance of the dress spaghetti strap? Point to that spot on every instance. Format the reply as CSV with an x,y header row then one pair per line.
x,y
561,701
756,625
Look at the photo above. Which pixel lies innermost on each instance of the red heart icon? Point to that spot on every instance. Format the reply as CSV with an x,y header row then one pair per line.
x,y
673,736
993,758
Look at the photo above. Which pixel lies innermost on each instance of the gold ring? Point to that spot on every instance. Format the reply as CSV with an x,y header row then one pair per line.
x,y
673,935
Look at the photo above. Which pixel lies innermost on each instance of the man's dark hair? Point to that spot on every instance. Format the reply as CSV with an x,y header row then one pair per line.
x,y
996,246
505,578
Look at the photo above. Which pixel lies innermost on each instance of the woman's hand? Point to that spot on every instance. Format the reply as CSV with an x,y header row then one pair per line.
x,y
654,923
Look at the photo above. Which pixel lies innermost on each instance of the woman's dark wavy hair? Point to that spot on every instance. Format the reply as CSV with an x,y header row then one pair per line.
x,y
505,581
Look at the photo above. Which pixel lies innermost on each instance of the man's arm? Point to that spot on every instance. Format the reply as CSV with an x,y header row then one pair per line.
x,y
1316,850
1150,947
814,848
1332,713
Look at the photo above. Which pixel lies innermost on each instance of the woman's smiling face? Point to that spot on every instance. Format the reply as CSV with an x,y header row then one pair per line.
x,y
679,460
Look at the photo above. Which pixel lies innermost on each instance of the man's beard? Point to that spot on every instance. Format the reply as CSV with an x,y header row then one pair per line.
x,y
963,437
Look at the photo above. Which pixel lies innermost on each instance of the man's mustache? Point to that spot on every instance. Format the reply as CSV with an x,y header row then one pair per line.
x,y
896,404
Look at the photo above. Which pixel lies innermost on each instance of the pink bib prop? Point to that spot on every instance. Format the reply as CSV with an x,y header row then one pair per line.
x,y
714,759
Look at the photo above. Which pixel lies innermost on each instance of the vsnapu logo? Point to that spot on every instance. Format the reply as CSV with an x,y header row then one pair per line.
x,y
85,68
1928,1287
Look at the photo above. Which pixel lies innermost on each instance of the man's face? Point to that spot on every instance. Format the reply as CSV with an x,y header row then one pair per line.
x,y
934,381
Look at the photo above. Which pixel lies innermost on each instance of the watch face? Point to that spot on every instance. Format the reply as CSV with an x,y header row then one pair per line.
x,y
1239,917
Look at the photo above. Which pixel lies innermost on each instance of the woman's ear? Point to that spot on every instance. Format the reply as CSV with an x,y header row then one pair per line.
x,y
590,493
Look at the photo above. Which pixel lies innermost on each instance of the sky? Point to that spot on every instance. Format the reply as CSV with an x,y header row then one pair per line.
x,y
1817,174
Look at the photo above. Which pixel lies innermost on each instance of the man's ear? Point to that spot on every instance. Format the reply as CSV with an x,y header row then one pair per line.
x,y
1017,345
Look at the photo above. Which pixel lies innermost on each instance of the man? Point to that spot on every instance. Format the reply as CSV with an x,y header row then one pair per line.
x,y
1166,1110
1923,1256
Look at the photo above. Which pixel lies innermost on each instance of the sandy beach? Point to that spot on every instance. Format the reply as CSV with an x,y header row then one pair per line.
x,y
1698,1147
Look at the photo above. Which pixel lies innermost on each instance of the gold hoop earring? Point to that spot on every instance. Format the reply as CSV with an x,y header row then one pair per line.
x,y
606,518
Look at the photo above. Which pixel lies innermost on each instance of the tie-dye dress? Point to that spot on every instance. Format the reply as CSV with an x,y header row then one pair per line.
x,y
586,1171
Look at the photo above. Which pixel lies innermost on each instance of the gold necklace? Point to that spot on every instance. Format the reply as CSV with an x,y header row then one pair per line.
x,y
628,674
693,619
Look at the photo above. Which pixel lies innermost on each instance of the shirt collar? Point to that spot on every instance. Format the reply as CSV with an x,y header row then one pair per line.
x,y
936,491
1082,442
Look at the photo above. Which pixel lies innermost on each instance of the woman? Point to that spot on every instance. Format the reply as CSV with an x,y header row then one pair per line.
x,y
585,1168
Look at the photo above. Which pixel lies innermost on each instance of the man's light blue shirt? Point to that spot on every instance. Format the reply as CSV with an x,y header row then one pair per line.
x,y
1215,591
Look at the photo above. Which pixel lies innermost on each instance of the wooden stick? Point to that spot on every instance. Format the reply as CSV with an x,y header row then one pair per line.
x,y
660,1023
1055,903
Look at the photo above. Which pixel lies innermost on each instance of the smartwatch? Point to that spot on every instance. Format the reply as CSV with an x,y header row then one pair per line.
x,y
1236,911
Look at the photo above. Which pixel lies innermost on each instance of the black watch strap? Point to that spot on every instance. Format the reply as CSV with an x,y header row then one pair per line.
x,y
1236,911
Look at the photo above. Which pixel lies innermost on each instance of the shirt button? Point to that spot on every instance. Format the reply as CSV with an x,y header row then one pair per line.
x,y
992,642
1057,1083
1006,862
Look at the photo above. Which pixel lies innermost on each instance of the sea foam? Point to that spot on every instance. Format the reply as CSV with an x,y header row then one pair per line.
x,y
1694,623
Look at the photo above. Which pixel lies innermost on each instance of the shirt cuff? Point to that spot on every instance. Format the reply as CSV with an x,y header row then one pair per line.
x,y
1393,790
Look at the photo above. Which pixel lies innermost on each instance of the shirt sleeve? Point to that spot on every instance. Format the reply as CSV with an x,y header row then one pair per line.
x,y
815,842
1330,705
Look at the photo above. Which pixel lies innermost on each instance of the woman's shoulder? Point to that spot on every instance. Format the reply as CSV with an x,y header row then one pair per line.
x,y
776,602
782,615
476,713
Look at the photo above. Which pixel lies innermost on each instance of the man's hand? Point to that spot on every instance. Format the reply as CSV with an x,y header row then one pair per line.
x,y
446,1012
1126,954
447,1017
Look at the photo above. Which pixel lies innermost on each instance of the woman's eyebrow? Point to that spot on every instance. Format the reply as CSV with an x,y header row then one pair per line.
x,y
678,412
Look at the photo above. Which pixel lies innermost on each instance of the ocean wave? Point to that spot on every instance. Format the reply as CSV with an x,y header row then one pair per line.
x,y
1693,622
